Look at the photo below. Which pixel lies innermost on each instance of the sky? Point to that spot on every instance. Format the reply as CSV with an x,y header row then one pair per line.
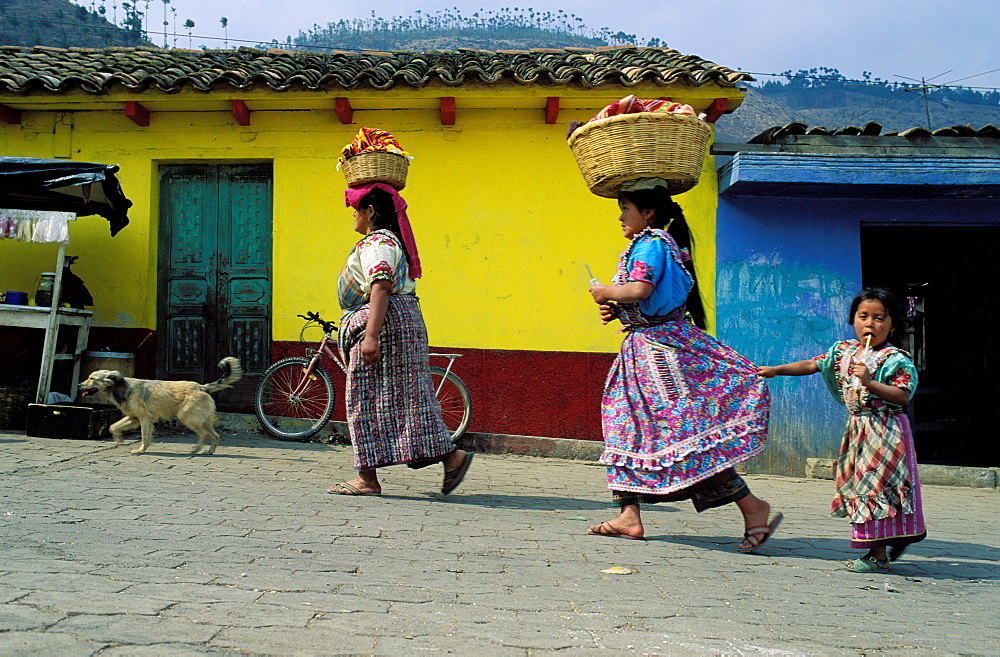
x,y
941,41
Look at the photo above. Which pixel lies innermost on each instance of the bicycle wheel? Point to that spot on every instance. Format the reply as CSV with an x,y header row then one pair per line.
x,y
285,414
455,401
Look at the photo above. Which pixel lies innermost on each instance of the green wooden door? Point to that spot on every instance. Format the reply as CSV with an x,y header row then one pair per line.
x,y
214,274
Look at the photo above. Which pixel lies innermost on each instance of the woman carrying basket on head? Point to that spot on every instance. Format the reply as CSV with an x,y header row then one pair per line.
x,y
680,409
392,414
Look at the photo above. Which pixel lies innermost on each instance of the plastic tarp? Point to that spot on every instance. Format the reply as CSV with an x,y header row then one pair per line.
x,y
85,188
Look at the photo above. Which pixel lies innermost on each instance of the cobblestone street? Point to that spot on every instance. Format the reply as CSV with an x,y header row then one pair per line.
x,y
105,552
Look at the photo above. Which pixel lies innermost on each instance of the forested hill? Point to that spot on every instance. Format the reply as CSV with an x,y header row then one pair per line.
x,y
825,97
448,29
62,24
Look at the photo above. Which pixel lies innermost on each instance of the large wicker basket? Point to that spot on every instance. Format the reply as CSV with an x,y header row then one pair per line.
x,y
626,147
376,166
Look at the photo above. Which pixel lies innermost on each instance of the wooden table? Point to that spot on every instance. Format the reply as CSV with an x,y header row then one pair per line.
x,y
44,318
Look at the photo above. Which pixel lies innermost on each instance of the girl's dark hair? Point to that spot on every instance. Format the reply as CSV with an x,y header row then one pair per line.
x,y
667,213
887,299
385,215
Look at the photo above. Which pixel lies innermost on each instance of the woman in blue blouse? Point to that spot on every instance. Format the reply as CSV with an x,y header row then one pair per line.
x,y
680,409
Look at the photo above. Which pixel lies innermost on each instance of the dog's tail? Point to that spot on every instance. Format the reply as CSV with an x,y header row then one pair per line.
x,y
231,372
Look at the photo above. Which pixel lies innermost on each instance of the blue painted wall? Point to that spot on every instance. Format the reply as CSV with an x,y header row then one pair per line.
x,y
788,269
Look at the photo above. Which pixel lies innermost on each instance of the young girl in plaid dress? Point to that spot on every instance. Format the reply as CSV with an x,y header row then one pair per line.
x,y
878,488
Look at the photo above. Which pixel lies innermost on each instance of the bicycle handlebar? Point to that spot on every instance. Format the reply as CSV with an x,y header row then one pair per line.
x,y
328,327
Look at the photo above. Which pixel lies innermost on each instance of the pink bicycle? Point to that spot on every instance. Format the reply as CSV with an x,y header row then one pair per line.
x,y
294,399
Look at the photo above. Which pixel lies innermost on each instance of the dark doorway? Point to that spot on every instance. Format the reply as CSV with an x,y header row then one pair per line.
x,y
946,277
214,274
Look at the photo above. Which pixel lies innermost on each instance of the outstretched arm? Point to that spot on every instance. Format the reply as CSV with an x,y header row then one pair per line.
x,y
798,368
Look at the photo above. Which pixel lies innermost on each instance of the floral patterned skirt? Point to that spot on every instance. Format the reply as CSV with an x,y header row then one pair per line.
x,y
679,407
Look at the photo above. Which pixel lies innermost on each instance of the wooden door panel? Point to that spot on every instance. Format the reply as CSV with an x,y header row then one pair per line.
x,y
215,273
245,273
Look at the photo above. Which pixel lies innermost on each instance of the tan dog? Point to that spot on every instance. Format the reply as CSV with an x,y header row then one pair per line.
x,y
144,402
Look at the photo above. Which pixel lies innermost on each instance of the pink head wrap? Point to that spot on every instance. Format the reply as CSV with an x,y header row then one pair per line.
x,y
352,198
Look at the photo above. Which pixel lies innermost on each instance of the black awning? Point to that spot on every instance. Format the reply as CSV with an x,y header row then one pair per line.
x,y
85,188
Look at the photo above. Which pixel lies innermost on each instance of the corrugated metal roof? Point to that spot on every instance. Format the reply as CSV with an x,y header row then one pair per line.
x,y
93,71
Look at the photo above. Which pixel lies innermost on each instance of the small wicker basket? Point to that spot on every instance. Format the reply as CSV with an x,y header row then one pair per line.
x,y
376,166
626,147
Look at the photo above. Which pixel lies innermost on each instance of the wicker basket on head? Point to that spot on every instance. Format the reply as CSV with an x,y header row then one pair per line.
x,y
626,147
376,166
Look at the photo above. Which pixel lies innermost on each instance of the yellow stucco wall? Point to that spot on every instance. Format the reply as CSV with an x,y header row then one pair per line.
x,y
504,222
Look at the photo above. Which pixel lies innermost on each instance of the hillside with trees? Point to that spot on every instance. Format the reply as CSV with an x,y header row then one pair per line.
x,y
448,29
61,24
825,97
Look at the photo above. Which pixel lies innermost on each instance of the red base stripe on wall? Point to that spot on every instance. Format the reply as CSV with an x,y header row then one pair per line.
x,y
554,394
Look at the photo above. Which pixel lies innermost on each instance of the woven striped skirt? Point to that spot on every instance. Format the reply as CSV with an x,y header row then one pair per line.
x,y
902,528
678,408
392,414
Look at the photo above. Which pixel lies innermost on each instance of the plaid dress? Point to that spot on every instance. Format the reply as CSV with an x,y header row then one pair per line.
x,y
392,413
878,487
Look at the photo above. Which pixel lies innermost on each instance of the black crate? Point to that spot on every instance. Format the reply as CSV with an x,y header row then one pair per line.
x,y
82,421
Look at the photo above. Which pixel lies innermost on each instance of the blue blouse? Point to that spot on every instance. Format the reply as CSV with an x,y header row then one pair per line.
x,y
654,258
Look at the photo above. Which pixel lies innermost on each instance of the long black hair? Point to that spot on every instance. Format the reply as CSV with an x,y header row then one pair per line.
x,y
385,217
669,215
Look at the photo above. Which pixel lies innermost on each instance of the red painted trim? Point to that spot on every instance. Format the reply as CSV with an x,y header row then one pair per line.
x,y
447,110
715,109
527,393
241,112
9,114
136,113
344,110
551,109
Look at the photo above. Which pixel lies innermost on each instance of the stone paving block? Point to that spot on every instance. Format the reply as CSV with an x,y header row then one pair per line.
x,y
133,628
20,616
513,602
29,644
109,603
326,602
308,641
522,635
160,649
378,625
448,643
62,582
229,614
193,592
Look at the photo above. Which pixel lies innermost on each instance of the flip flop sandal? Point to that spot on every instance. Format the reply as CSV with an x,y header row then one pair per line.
x,y
345,488
453,478
867,565
763,532
607,529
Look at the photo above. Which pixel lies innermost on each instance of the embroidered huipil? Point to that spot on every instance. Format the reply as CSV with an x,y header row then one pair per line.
x,y
377,256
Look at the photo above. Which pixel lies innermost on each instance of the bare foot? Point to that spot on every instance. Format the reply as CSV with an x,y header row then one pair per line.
x,y
612,530
362,485
627,525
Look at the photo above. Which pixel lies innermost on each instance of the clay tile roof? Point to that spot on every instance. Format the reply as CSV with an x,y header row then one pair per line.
x,y
873,129
138,69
